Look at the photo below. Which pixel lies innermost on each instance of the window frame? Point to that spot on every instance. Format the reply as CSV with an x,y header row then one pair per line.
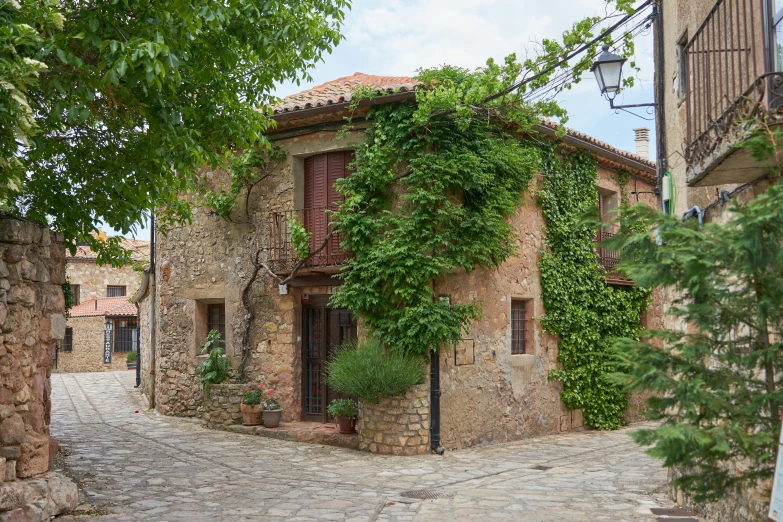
x,y
68,340
221,320
76,289
520,326
120,344
114,287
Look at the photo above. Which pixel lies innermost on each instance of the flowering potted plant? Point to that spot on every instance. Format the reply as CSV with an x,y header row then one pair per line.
x,y
272,411
344,410
251,405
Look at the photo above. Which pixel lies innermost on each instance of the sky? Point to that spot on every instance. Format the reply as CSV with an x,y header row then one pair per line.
x,y
395,37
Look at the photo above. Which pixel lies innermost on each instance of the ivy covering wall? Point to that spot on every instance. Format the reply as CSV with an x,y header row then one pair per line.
x,y
581,309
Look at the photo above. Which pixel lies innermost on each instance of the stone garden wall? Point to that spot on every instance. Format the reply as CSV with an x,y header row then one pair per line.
x,y
221,408
32,320
397,425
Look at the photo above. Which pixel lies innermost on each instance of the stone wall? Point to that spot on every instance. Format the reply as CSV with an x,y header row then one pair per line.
x,y
746,505
397,425
93,278
221,408
87,353
32,320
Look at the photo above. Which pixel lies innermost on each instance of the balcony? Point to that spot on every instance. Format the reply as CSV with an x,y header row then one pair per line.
x,y
610,259
282,258
730,90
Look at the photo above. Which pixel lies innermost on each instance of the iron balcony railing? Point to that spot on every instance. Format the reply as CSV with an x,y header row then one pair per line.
x,y
729,78
316,221
610,259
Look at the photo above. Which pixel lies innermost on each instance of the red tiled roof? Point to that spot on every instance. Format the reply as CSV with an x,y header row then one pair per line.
x,y
140,250
105,306
341,91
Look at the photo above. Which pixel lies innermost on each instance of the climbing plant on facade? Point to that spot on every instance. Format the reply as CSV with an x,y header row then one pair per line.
x,y
581,309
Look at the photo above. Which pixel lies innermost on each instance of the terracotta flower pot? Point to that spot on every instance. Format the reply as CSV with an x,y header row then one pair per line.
x,y
272,418
346,424
251,414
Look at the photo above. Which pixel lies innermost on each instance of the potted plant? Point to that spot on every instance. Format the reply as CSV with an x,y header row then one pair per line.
x,y
272,411
344,410
130,360
251,405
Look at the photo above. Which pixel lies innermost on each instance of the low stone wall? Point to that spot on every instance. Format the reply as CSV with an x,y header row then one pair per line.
x,y
747,505
221,408
397,425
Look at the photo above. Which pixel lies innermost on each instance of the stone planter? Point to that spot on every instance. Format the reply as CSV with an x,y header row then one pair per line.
x,y
272,418
397,425
251,414
221,408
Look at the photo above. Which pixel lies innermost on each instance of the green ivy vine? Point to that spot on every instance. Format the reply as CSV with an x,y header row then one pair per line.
x,y
581,309
433,185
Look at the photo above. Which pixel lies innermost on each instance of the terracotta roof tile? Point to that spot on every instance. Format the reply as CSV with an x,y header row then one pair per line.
x,y
341,91
105,306
140,250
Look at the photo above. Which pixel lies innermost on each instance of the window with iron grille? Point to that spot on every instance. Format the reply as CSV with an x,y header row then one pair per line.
x,y
68,340
518,326
123,334
216,320
115,291
76,294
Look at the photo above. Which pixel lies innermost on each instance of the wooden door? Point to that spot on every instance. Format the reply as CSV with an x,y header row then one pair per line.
x,y
324,329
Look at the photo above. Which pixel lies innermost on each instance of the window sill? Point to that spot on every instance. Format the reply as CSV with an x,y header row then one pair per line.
x,y
522,359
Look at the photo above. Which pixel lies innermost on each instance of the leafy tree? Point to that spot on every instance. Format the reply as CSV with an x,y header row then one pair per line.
x,y
107,109
716,383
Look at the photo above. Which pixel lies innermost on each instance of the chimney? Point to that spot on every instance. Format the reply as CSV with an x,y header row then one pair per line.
x,y
642,142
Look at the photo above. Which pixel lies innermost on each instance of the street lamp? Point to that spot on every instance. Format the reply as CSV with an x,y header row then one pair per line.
x,y
608,70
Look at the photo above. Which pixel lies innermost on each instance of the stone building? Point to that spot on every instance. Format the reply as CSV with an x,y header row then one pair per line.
x,y
32,320
722,70
99,292
84,348
494,387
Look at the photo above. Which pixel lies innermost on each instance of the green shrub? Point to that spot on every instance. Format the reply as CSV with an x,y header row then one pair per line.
x,y
130,357
342,408
216,369
368,371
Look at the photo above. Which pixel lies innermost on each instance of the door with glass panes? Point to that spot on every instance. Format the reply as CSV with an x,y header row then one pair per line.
x,y
324,330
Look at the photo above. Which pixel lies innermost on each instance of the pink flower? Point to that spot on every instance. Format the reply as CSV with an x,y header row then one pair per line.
x,y
260,386
269,394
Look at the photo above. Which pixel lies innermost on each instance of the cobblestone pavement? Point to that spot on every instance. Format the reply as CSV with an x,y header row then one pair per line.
x,y
149,467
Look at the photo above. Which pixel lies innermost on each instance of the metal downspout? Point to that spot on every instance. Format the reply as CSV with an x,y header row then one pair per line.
x,y
435,402
153,325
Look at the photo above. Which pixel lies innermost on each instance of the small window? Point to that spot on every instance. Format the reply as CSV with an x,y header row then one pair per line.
x,y
115,291
216,319
76,294
68,341
123,334
681,81
518,327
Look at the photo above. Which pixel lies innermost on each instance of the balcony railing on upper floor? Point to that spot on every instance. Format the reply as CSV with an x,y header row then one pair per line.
x,y
610,259
729,80
282,257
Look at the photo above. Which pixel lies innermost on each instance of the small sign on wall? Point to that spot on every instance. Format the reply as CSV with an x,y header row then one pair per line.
x,y
108,342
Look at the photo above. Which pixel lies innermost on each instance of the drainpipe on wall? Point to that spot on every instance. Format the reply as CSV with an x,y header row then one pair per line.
x,y
140,293
435,403
153,325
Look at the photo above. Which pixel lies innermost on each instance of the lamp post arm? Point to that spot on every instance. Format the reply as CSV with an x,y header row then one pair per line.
x,y
613,106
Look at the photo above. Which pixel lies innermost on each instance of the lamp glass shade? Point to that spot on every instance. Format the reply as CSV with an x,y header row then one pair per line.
x,y
608,70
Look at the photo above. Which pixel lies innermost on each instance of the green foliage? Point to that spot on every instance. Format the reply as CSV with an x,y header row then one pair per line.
x,y
368,371
270,403
300,238
130,357
68,296
217,368
716,383
107,109
457,174
581,309
252,395
342,408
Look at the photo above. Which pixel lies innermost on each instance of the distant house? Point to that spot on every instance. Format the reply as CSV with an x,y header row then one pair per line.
x,y
102,296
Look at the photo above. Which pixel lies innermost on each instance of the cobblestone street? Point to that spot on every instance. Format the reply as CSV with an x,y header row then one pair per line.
x,y
148,467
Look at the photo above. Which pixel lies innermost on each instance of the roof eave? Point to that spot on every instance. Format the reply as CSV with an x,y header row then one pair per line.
x,y
337,107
